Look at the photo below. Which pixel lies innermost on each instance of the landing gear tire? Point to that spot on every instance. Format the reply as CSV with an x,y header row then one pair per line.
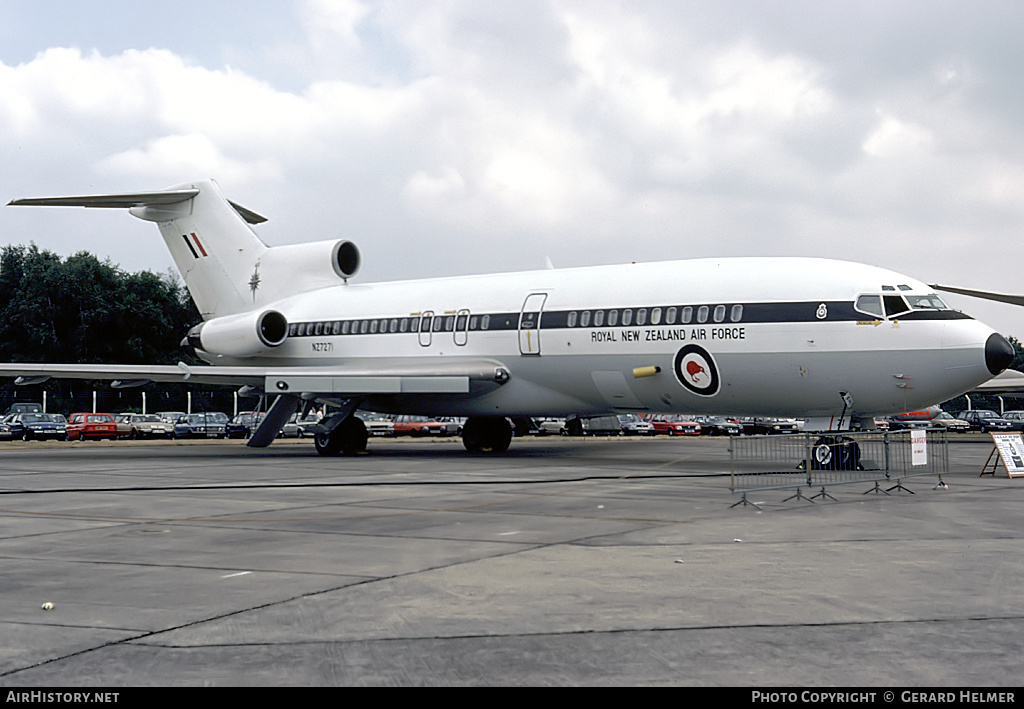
x,y
348,438
486,434
835,453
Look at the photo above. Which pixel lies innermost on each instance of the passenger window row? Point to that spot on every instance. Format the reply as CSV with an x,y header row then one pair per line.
x,y
654,316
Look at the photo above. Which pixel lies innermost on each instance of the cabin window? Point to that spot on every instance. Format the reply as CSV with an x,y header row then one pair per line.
x,y
364,326
293,330
613,318
656,316
702,314
719,313
571,321
485,322
627,317
403,325
737,313
373,327
687,315
585,319
870,304
670,316
641,316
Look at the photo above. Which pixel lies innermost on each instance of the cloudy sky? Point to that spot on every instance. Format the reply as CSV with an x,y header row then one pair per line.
x,y
467,136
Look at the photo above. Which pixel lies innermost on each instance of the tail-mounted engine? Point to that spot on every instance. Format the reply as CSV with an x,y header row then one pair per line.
x,y
242,335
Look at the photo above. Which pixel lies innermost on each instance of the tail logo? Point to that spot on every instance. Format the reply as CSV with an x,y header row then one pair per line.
x,y
254,282
193,243
695,369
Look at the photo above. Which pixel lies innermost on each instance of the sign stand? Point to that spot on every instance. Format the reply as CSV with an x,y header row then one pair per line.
x,y
1010,447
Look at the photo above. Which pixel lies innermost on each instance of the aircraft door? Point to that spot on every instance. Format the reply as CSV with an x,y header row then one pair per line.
x,y
426,327
461,327
529,324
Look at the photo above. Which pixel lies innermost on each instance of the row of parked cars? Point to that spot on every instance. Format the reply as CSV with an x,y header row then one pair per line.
x,y
36,425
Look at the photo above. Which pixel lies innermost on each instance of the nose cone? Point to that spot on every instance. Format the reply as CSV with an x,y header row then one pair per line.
x,y
998,353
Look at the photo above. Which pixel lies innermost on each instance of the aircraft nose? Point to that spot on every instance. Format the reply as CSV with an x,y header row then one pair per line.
x,y
998,353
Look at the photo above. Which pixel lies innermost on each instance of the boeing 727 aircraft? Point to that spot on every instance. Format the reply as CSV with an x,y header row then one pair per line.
x,y
829,340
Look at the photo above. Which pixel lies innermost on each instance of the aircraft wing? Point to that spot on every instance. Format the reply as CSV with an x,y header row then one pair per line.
x,y
337,380
987,295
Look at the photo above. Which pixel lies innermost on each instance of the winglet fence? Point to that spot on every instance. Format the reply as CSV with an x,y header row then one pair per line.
x,y
882,459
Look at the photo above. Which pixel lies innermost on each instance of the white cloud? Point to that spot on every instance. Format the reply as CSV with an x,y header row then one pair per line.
x,y
897,139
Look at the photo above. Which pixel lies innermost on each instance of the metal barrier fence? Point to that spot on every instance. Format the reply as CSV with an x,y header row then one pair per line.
x,y
814,460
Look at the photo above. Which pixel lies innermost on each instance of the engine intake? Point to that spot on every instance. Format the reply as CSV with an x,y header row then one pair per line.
x,y
242,335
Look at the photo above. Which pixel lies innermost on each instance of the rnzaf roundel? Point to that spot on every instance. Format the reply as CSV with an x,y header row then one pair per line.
x,y
695,369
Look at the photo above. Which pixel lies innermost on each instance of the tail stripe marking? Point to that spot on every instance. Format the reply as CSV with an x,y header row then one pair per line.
x,y
190,247
199,244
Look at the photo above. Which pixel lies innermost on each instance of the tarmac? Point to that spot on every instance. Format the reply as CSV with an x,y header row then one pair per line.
x,y
564,562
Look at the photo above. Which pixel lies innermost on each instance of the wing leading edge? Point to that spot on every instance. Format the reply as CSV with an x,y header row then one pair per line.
x,y
337,380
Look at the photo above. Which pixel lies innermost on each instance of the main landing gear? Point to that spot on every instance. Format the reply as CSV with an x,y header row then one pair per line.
x,y
486,434
480,434
349,438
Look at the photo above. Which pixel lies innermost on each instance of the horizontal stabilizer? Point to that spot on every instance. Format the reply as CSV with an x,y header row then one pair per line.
x,y
129,201
111,201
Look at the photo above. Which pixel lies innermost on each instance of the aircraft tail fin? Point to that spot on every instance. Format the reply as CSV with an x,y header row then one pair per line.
x,y
209,237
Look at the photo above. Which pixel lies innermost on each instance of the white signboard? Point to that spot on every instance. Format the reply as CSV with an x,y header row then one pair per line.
x,y
1011,450
918,446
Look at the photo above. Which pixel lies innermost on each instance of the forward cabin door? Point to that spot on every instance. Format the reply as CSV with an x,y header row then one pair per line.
x,y
529,324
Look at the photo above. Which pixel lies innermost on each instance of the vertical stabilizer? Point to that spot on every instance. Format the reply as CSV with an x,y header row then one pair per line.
x,y
215,250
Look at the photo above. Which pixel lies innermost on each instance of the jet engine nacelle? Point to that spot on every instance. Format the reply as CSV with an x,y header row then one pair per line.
x,y
242,335
307,266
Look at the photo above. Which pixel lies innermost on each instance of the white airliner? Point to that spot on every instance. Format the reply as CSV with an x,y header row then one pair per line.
x,y
828,340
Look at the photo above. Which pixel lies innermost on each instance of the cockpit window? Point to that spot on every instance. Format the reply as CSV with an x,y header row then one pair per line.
x,y
926,302
904,287
894,305
871,304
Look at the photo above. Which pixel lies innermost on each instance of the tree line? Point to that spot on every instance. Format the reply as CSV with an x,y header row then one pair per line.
x,y
81,310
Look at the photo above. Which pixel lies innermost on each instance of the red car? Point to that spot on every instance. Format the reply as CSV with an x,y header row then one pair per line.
x,y
674,425
85,425
419,426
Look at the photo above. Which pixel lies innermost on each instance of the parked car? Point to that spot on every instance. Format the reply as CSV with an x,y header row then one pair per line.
x,y
36,426
28,408
633,425
419,426
1016,419
550,426
763,426
602,426
718,426
242,425
137,426
985,420
675,425
170,417
208,424
377,425
85,425
949,423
